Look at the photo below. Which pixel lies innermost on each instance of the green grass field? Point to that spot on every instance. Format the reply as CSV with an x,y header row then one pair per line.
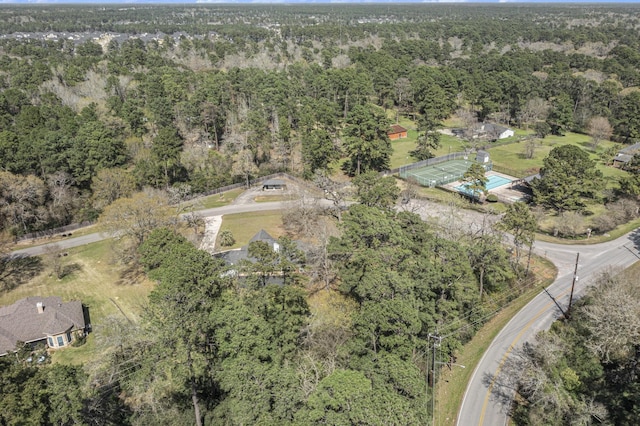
x,y
243,226
219,200
511,156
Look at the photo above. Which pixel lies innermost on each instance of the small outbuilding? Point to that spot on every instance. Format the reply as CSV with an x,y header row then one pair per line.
x,y
270,184
482,157
397,132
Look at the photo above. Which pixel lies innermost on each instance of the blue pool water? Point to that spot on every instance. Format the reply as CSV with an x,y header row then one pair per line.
x,y
494,182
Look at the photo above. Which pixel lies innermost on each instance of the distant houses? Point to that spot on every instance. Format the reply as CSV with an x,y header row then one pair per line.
x,y
493,132
45,320
485,131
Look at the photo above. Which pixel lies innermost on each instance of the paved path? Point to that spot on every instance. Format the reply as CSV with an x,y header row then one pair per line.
x,y
482,405
211,229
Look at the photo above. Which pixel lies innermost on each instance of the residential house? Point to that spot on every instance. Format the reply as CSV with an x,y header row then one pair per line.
x,y
397,132
41,320
234,257
625,155
494,132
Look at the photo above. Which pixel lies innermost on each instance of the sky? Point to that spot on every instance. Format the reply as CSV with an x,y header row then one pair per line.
x,y
302,1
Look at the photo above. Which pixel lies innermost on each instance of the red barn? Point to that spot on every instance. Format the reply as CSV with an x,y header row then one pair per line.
x,y
397,132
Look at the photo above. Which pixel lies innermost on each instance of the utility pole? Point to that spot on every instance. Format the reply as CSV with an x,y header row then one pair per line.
x,y
573,284
437,339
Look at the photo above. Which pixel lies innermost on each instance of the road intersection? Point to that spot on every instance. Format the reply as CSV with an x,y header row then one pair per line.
x,y
482,405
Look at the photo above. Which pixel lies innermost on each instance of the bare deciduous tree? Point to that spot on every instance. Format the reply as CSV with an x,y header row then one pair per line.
x,y
110,184
536,109
318,257
301,215
570,224
22,201
335,192
53,258
599,129
469,119
62,193
132,219
614,318
530,147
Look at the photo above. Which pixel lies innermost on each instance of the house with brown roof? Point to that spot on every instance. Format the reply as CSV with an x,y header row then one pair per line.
x,y
41,320
397,132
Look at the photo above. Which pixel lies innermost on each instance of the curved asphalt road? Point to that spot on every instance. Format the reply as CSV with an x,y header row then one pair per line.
x,y
481,406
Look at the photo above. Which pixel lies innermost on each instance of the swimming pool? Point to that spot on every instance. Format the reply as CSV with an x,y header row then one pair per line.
x,y
494,182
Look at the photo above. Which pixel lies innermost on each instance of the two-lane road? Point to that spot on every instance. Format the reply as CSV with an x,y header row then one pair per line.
x,y
98,236
480,407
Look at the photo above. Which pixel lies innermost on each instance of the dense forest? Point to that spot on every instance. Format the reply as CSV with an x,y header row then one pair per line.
x,y
205,96
105,109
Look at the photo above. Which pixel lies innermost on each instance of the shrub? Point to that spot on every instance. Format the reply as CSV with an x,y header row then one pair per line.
x,y
570,224
492,198
226,238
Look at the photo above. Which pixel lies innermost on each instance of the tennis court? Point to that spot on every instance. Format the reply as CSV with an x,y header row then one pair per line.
x,y
441,173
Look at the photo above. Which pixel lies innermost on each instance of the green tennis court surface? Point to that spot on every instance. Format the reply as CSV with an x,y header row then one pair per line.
x,y
439,174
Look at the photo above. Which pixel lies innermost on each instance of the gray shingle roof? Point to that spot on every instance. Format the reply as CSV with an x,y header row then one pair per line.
x,y
233,257
22,321
262,235
632,149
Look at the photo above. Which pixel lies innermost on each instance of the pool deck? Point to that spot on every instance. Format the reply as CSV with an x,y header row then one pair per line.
x,y
508,193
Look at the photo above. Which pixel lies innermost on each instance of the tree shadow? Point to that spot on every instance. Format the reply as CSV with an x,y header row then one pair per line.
x,y
87,318
504,385
70,269
635,239
502,391
17,270
131,274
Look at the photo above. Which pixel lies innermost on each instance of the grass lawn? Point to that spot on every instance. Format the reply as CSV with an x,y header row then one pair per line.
x,y
511,156
453,383
270,198
595,239
97,283
243,226
219,200
402,148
